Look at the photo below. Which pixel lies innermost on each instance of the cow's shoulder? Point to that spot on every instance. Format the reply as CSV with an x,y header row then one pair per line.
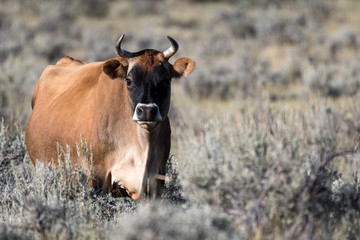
x,y
69,69
63,67
67,74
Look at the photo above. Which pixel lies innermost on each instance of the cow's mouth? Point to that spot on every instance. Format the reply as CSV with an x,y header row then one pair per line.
x,y
148,125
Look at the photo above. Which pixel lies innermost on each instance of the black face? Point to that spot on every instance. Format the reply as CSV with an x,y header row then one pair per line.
x,y
151,87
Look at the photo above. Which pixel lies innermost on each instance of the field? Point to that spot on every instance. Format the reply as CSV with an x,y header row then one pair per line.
x,y
265,131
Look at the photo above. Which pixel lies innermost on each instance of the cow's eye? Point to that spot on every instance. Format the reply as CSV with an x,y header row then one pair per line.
x,y
128,82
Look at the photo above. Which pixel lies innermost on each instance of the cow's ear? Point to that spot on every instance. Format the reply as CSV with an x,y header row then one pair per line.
x,y
183,67
115,69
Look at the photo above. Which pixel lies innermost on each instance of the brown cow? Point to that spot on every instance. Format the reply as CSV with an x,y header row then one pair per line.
x,y
120,106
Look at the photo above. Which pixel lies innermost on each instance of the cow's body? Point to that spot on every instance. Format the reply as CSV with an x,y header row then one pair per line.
x,y
74,100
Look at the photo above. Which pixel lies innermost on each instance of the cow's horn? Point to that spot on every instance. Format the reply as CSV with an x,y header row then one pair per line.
x,y
122,52
168,53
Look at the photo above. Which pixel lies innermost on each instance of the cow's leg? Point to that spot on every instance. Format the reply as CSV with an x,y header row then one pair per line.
x,y
160,186
160,180
156,187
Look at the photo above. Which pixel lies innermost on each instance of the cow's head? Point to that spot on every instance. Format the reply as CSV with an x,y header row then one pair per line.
x,y
148,79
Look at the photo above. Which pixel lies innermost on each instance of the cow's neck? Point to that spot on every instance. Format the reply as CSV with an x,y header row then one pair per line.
x,y
145,138
148,144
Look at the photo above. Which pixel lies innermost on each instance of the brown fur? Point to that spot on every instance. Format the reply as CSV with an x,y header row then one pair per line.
x,y
74,99
149,59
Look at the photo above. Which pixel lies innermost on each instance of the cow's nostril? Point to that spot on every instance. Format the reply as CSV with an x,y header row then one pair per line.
x,y
139,111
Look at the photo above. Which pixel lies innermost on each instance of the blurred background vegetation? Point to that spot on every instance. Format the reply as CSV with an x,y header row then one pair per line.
x,y
265,130
287,50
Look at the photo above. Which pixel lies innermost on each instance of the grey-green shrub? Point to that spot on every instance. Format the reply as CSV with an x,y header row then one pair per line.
x,y
256,172
273,171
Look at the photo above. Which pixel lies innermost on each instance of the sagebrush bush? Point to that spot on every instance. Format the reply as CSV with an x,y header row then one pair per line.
x,y
334,79
162,221
273,171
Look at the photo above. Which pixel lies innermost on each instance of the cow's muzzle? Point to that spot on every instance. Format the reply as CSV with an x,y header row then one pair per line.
x,y
147,115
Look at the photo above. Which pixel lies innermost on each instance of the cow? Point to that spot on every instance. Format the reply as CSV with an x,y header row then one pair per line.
x,y
120,106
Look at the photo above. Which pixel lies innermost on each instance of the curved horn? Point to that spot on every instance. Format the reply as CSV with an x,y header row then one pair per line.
x,y
122,52
168,53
